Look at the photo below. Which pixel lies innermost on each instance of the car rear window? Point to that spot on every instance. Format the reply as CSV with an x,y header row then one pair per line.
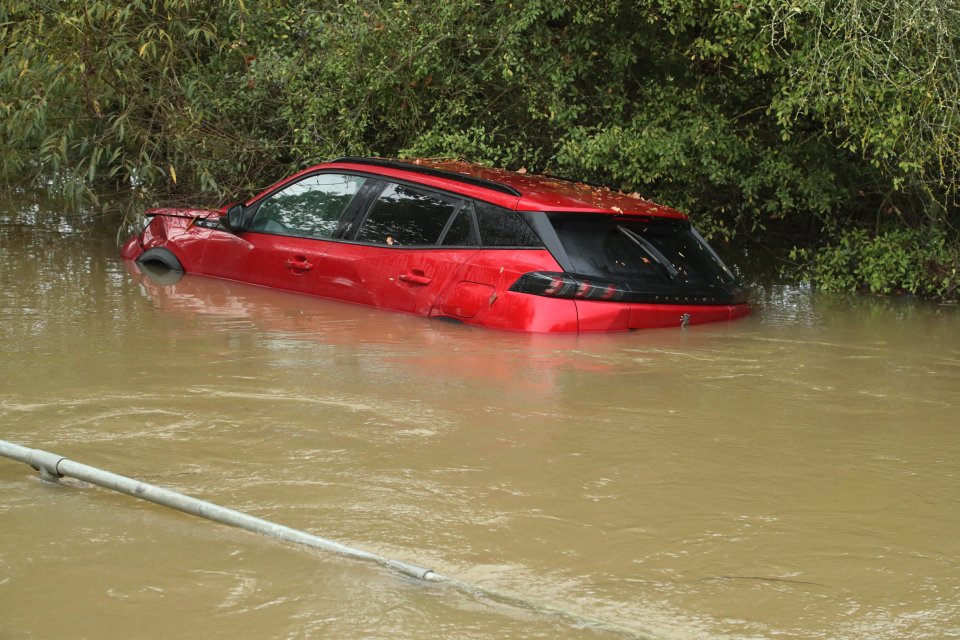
x,y
639,249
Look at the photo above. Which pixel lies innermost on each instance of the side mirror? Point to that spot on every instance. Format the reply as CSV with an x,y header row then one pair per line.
x,y
233,221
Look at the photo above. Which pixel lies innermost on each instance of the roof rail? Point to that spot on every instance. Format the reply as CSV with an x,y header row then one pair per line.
x,y
430,171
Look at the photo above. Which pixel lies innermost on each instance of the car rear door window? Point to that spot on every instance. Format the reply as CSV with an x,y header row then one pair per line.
x,y
309,208
462,231
406,216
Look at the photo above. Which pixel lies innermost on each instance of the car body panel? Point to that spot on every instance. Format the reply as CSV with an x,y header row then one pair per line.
x,y
465,300
619,316
388,277
173,229
280,262
492,272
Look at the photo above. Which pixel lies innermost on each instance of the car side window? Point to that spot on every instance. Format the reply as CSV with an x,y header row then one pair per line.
x,y
501,227
407,216
462,230
310,208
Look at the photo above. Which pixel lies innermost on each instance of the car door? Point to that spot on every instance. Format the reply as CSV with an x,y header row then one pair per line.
x,y
410,244
288,235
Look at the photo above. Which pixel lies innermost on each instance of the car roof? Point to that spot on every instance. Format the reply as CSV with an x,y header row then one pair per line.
x,y
514,189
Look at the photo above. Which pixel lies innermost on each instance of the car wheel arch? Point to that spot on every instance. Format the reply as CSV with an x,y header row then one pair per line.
x,y
161,255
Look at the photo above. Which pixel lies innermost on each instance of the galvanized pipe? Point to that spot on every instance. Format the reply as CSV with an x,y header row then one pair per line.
x,y
52,467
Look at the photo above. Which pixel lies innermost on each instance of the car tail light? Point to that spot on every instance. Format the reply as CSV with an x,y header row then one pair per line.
x,y
566,285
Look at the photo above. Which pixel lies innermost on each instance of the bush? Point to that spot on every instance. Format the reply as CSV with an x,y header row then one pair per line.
x,y
917,261
812,115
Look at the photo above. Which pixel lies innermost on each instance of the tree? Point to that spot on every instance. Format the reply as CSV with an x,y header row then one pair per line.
x,y
818,118
107,94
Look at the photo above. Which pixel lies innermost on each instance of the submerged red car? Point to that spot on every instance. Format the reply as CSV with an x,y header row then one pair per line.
x,y
454,240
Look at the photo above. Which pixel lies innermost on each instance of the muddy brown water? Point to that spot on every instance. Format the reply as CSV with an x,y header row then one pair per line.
x,y
792,475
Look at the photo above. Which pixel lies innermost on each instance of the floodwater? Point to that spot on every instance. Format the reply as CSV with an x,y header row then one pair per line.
x,y
792,475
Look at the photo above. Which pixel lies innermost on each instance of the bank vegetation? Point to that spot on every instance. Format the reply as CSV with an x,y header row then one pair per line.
x,y
829,129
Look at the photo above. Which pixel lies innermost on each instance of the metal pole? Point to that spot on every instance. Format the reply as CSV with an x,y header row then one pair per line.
x,y
52,467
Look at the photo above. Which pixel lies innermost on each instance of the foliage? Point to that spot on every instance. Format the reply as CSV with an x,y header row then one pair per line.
x,y
917,261
810,116
126,93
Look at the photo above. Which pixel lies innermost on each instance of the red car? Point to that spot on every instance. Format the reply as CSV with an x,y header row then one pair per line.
x,y
458,241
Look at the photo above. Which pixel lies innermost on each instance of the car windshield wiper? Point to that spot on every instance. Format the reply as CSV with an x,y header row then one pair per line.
x,y
650,250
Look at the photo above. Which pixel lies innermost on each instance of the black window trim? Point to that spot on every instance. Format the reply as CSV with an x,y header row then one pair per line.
x,y
541,226
465,207
350,224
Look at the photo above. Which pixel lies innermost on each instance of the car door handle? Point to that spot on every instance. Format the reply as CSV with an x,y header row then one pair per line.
x,y
413,278
299,263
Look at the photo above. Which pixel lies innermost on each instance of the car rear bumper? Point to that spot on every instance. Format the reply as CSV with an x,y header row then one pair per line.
x,y
623,316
